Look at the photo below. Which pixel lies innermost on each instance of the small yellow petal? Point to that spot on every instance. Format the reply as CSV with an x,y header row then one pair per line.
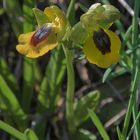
x,y
95,56
57,17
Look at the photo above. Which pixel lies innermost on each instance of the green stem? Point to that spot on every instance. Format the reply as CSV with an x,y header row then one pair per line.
x,y
70,90
70,75
132,128
135,35
135,63
29,65
135,74
131,102
135,114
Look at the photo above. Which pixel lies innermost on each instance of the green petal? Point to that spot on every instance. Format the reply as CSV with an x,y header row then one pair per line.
x,y
110,15
40,17
78,34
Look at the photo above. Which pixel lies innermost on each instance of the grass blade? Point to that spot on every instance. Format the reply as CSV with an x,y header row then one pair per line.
x,y
90,101
28,84
13,9
132,128
71,12
30,134
29,64
11,104
12,131
50,86
119,133
98,125
8,76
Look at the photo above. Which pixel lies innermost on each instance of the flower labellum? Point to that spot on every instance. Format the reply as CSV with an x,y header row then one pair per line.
x,y
101,46
37,43
52,28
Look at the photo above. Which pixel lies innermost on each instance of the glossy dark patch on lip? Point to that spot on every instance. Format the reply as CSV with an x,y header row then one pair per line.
x,y
102,41
41,34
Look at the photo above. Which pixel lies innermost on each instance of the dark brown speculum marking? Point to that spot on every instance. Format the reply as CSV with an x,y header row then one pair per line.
x,y
102,41
41,34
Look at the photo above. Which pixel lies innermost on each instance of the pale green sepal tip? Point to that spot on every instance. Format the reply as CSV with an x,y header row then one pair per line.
x,y
101,16
95,8
110,15
111,12
78,34
40,17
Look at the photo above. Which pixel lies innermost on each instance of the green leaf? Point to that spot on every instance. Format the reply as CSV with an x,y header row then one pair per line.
x,y
71,12
28,84
29,21
90,100
51,83
107,73
119,133
98,125
8,76
30,134
78,34
13,10
50,87
83,134
29,65
40,16
133,126
12,131
83,7
11,104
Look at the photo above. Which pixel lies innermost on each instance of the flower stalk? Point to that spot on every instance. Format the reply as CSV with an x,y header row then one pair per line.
x,y
70,90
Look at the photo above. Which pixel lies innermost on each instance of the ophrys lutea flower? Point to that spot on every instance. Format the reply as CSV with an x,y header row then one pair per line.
x,y
102,48
50,31
100,45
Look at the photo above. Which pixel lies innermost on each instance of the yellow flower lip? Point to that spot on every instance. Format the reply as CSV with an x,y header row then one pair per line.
x,y
102,41
41,34
96,56
40,45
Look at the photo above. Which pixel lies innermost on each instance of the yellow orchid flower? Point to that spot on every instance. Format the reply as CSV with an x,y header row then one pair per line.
x,y
100,45
46,37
